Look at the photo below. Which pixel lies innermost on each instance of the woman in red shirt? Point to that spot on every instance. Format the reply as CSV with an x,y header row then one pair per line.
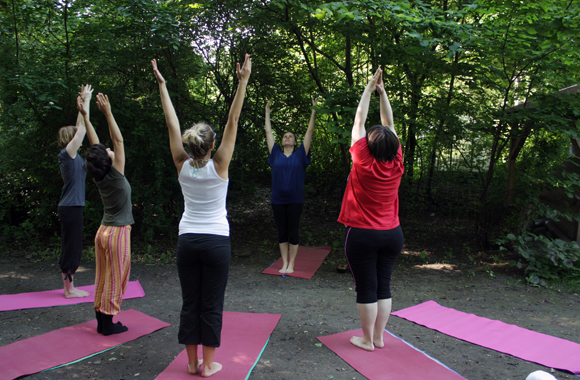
x,y
370,211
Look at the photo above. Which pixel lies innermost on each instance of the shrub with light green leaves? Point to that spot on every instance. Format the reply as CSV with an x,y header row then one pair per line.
x,y
545,258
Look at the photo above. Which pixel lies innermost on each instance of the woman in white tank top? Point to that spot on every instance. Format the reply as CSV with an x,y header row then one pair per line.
x,y
203,249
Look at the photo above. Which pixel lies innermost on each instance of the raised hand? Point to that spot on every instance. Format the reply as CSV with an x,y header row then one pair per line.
x,y
372,85
103,103
246,70
81,106
158,75
314,102
268,110
380,85
86,91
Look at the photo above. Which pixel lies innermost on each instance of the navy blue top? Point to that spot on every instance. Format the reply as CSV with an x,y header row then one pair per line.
x,y
288,175
73,174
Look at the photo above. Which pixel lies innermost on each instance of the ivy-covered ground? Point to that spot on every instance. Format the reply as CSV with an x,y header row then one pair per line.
x,y
440,262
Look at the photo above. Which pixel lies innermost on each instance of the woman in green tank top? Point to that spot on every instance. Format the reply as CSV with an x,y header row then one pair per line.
x,y
113,239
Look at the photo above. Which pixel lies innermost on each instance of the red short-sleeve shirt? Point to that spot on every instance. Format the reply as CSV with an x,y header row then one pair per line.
x,y
371,198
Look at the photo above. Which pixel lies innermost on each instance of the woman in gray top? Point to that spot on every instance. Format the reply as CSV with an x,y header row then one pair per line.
x,y
72,199
113,239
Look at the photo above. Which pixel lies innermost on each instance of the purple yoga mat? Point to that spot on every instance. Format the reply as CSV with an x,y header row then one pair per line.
x,y
70,344
398,360
522,343
50,298
244,337
308,260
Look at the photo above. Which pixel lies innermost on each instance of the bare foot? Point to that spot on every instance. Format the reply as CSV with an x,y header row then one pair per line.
x,y
360,343
290,269
378,343
195,367
283,270
75,293
212,369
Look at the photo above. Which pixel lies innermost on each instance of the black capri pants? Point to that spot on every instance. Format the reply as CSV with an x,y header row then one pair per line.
x,y
203,263
287,217
71,226
371,256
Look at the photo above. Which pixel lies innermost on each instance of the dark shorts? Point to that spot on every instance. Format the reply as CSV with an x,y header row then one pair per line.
x,y
71,223
203,263
287,217
371,256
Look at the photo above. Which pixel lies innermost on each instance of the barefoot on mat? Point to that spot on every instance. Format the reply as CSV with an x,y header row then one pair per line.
x,y
193,369
75,293
212,369
360,343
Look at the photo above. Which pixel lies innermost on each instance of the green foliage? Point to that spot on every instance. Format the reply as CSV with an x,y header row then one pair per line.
x,y
453,72
545,259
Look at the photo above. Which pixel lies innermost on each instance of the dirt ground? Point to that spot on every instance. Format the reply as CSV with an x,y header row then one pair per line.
x,y
434,266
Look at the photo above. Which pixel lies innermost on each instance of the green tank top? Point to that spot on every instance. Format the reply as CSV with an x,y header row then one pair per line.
x,y
116,196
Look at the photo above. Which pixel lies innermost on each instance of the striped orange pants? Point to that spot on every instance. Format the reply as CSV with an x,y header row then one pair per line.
x,y
113,264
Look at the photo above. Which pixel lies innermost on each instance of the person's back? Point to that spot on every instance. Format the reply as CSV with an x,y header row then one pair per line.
x,y
115,192
371,198
204,198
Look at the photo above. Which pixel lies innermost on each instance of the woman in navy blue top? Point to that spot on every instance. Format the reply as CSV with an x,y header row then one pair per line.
x,y
72,199
288,172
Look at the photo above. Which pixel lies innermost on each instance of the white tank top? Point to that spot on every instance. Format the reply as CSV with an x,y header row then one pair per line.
x,y
204,195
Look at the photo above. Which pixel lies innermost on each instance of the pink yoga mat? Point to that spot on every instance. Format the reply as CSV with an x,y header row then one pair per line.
x,y
50,298
70,344
522,343
398,360
244,337
308,260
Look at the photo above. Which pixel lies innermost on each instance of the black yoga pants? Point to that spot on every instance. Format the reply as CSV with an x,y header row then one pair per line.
x,y
203,263
71,226
371,256
287,217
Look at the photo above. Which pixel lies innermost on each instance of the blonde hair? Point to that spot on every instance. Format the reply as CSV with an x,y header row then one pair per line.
x,y
65,135
199,139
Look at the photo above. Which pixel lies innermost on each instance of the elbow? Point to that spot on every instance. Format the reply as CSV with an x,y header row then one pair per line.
x,y
233,119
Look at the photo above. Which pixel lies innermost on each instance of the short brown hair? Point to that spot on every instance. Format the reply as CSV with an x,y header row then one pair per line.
x,y
98,163
65,135
383,143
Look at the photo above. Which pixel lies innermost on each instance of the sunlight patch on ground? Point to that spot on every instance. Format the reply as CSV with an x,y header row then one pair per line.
x,y
565,323
498,265
439,266
14,275
411,253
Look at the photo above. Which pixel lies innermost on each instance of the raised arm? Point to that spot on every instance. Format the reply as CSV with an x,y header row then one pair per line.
x,y
114,131
90,130
85,93
269,134
85,98
175,144
224,153
91,133
386,110
358,128
308,135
